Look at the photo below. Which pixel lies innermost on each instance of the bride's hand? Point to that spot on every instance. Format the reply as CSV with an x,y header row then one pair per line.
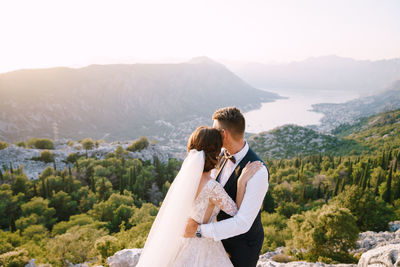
x,y
248,171
191,228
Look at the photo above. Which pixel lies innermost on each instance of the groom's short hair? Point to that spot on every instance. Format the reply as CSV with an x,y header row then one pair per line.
x,y
231,119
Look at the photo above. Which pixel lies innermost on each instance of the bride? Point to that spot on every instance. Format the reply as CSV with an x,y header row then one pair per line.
x,y
194,194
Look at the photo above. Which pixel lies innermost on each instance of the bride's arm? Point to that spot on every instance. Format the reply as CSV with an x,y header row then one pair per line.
x,y
248,171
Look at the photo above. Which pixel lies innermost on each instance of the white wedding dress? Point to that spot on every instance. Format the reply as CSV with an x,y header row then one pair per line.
x,y
197,252
165,245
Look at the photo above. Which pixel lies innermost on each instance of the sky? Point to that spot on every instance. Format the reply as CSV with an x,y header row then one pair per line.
x,y
47,33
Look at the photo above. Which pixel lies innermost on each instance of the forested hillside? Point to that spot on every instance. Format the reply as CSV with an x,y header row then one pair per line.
x,y
369,135
87,212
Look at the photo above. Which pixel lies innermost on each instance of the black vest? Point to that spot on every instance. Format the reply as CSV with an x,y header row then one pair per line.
x,y
255,236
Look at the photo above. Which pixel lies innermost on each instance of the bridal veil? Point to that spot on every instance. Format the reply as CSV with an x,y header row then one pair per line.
x,y
163,241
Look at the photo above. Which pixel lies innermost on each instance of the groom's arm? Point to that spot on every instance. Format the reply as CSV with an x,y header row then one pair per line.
x,y
256,189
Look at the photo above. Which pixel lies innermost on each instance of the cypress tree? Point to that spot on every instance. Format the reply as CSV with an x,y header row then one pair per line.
x,y
365,175
336,187
387,195
398,159
43,188
383,160
396,191
268,203
390,156
350,172
343,184
48,189
319,193
70,183
102,189
296,163
34,189
93,185
11,168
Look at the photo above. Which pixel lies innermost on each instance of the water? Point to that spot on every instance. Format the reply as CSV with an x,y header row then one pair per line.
x,y
295,109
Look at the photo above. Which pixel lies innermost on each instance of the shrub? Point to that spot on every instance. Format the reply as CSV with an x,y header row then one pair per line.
x,y
38,143
46,156
3,145
107,246
328,232
138,145
35,230
275,231
64,247
287,209
282,258
21,144
15,258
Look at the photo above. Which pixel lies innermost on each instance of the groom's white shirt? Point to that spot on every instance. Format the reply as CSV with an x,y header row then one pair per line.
x,y
256,189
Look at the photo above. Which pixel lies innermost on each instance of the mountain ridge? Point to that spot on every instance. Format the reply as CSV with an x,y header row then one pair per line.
x,y
120,101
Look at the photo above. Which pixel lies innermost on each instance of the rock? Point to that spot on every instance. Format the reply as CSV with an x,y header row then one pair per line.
x,y
31,263
369,240
388,255
271,263
125,258
394,226
130,258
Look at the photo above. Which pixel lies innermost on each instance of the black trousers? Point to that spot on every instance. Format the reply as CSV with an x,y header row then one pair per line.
x,y
243,253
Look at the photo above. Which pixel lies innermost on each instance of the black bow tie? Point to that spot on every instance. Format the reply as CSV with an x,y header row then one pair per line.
x,y
229,156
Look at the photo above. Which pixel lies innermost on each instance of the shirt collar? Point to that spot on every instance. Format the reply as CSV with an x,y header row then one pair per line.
x,y
240,154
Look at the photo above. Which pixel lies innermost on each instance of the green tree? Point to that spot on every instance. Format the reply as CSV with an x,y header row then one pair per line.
x,y
372,214
326,233
64,205
36,211
87,144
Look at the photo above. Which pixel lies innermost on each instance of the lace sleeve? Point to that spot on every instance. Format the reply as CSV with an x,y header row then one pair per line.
x,y
222,200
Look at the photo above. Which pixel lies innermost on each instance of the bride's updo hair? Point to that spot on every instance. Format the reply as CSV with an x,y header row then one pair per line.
x,y
210,141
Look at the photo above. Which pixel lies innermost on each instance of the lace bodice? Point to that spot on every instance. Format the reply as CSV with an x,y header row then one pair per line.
x,y
205,252
213,193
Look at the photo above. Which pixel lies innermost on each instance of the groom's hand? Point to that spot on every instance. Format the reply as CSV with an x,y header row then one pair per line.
x,y
191,228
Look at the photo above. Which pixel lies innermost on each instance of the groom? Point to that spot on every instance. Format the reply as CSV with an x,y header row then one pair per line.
x,y
242,235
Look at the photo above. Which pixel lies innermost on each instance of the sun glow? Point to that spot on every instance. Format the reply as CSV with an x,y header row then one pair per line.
x,y
46,33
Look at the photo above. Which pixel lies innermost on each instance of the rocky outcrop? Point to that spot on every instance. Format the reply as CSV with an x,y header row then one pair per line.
x,y
388,255
23,156
370,240
125,258
130,257
382,248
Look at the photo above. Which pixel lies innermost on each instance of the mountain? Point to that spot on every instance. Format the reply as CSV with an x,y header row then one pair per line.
x,y
363,77
381,131
120,101
368,135
350,112
290,140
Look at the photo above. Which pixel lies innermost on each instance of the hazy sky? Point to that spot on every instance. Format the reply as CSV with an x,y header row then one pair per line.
x,y
40,33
